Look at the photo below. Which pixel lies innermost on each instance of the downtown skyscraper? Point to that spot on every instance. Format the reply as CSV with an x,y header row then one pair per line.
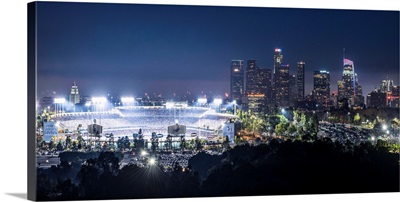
x,y
264,82
74,95
251,77
348,87
237,81
281,80
300,80
321,91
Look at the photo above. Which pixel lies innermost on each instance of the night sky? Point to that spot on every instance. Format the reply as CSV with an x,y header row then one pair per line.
x,y
128,49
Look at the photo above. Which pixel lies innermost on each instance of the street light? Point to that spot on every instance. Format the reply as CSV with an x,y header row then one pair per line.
x,y
152,161
143,153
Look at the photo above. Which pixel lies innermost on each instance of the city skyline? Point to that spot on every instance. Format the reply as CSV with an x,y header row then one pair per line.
x,y
116,53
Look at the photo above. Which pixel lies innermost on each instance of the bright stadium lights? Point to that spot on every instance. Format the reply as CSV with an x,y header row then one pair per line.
x,y
217,101
169,105
59,100
202,100
384,126
99,100
128,99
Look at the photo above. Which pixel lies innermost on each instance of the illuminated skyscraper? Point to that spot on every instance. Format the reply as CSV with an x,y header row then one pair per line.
x,y
237,81
386,85
348,87
255,104
278,57
281,80
321,91
74,96
251,77
300,81
292,90
264,82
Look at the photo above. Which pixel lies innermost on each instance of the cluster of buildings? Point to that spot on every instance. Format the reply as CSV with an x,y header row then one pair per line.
x,y
263,90
385,95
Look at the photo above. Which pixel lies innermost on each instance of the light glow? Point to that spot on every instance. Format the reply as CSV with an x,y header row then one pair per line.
x,y
143,153
99,100
127,99
217,101
152,161
202,100
59,100
169,105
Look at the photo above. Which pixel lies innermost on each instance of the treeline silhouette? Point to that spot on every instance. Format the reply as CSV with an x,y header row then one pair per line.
x,y
288,167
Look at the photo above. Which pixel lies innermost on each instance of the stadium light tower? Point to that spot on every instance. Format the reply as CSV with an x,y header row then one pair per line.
x,y
99,101
169,105
202,101
127,100
217,102
59,102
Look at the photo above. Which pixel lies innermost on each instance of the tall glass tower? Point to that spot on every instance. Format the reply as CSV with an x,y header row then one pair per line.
x,y
281,80
74,96
300,80
237,81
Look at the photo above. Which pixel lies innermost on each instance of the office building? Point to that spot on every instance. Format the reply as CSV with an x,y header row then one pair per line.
x,y
74,96
237,81
281,80
251,77
300,80
321,91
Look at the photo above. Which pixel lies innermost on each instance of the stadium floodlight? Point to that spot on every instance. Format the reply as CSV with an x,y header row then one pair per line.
x,y
384,126
217,101
59,100
202,100
152,161
99,100
169,105
127,99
